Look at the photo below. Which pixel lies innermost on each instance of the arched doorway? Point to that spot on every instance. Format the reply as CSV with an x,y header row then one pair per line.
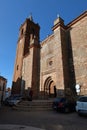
x,y
49,87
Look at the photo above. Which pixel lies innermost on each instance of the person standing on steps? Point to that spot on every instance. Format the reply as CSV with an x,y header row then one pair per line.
x,y
31,94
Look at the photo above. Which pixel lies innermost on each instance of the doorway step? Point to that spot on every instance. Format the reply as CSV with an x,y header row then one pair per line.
x,y
34,105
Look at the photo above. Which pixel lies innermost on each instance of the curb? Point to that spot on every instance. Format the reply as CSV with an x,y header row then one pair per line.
x,y
17,127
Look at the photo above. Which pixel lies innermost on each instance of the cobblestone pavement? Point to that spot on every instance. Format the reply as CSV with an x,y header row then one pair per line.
x,y
46,120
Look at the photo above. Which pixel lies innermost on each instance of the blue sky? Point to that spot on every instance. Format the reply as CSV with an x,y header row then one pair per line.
x,y
14,12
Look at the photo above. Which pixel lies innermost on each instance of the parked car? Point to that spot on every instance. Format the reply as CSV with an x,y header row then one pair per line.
x,y
6,101
12,100
81,105
63,104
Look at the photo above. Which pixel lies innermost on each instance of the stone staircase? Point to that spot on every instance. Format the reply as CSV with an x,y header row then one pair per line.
x,y
35,105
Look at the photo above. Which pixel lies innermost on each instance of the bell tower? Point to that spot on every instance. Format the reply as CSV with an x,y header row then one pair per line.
x,y
27,64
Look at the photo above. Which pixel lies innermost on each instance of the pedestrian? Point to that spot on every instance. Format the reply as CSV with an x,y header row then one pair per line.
x,y
31,94
55,94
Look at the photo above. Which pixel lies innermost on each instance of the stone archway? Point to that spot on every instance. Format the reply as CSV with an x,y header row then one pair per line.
x,y
49,87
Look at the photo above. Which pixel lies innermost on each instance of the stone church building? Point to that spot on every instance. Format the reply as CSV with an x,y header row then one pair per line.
x,y
57,64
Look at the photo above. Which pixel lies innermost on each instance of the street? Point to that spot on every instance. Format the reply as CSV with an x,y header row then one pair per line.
x,y
47,120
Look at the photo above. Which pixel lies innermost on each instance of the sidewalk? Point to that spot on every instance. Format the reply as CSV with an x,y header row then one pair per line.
x,y
17,127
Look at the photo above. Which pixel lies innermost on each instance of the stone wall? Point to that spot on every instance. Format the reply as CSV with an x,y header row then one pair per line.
x,y
61,60
64,54
78,41
51,60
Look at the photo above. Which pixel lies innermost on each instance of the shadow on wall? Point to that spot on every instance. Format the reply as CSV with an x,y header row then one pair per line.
x,y
72,81
47,95
68,62
18,87
59,93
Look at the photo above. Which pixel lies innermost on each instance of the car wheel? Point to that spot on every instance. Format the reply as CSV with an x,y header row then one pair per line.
x,y
79,113
66,110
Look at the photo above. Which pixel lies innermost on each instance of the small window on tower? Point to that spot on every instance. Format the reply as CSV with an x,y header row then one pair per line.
x,y
33,32
17,67
22,31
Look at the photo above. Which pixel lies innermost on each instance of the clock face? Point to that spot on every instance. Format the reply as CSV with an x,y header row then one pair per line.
x,y
20,40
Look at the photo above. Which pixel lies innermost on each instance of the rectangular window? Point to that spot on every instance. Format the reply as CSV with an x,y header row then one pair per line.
x,y
17,67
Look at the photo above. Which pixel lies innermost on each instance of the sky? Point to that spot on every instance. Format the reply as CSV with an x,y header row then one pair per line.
x,y
14,12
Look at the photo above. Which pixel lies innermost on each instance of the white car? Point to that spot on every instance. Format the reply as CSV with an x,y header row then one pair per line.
x,y
81,105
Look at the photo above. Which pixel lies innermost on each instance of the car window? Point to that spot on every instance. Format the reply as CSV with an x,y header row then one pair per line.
x,y
57,99
63,99
83,99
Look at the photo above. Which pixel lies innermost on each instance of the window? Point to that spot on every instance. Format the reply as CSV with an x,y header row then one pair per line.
x,y
22,31
83,99
50,62
17,67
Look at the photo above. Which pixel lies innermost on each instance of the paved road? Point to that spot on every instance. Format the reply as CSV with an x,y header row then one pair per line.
x,y
47,120
17,127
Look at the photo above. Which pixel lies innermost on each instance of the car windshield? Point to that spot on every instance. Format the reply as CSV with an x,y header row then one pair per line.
x,y
60,99
83,99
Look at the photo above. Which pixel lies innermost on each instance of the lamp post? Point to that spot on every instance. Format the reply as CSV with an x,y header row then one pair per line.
x,y
77,87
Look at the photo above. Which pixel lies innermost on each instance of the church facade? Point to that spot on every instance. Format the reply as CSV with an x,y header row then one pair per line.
x,y
57,64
